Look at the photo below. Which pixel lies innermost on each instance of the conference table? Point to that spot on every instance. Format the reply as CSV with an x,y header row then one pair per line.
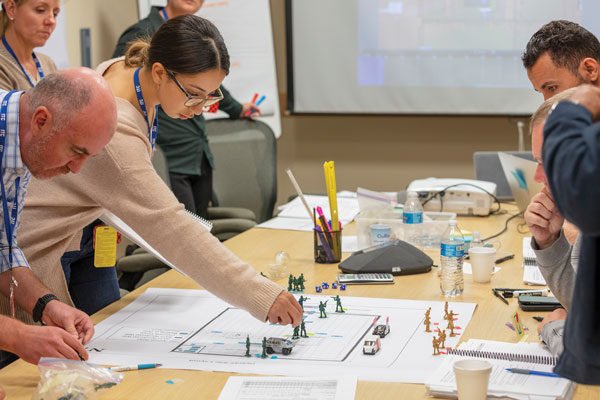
x,y
258,246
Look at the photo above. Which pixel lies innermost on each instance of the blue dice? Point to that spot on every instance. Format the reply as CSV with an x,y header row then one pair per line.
x,y
334,285
318,289
342,286
325,285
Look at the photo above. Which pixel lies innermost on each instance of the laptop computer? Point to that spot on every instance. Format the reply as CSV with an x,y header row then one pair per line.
x,y
519,173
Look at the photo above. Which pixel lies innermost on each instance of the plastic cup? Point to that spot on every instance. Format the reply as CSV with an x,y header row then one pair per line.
x,y
472,377
380,233
482,263
327,246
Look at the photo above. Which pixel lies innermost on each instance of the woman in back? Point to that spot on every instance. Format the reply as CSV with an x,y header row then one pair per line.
x,y
25,25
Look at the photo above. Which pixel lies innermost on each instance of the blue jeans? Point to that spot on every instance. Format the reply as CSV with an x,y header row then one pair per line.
x,y
91,288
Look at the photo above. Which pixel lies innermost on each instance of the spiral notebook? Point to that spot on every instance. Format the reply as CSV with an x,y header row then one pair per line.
x,y
531,272
532,356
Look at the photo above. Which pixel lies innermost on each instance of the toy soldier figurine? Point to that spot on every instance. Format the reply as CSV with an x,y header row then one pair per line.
x,y
296,334
303,330
436,347
301,300
442,337
301,281
290,282
338,306
451,327
322,305
264,348
427,322
446,310
248,346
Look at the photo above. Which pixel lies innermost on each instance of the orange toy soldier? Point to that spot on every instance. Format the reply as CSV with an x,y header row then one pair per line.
x,y
442,338
436,347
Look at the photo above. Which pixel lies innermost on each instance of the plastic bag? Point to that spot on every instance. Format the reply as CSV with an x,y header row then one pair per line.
x,y
63,379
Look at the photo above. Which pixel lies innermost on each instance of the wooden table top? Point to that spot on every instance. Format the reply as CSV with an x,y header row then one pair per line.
x,y
258,247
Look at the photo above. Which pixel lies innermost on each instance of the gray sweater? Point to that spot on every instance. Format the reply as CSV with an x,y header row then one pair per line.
x,y
558,265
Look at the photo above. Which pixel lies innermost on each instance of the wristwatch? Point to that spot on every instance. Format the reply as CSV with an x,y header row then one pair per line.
x,y
40,306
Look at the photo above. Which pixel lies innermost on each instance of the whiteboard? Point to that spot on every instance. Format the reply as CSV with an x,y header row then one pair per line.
x,y
252,61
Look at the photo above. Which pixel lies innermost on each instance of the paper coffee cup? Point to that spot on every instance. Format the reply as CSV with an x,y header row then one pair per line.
x,y
472,377
482,263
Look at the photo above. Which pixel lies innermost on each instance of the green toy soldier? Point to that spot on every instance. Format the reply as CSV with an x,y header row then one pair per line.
x,y
290,282
301,300
296,334
296,286
301,281
248,346
303,330
338,304
264,348
322,305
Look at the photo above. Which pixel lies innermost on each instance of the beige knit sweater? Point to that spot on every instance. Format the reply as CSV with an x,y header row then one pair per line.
x,y
121,179
11,76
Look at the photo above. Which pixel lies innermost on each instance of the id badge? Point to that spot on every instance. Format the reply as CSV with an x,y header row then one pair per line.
x,y
105,246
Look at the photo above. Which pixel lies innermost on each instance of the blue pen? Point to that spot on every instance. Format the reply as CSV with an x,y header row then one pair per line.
x,y
262,98
530,372
134,367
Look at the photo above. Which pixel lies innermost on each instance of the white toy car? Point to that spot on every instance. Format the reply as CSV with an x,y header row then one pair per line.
x,y
371,344
279,345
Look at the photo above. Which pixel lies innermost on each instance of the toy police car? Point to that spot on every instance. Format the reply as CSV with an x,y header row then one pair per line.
x,y
381,330
279,345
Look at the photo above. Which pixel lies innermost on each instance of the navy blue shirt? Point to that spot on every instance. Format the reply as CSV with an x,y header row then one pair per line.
x,y
571,157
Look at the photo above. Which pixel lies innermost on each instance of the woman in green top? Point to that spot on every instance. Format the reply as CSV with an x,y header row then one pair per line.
x,y
184,141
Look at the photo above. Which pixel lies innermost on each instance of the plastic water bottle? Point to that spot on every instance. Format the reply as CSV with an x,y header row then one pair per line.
x,y
412,218
476,240
452,281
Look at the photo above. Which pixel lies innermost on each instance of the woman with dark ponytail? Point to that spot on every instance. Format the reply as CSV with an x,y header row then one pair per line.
x,y
180,69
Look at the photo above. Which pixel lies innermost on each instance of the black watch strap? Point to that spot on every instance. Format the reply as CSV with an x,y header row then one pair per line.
x,y
38,310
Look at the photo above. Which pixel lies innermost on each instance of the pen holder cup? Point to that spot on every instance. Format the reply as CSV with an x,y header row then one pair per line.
x,y
327,246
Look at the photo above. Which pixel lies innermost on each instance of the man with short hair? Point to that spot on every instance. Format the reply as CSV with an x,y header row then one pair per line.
x,y
46,131
561,55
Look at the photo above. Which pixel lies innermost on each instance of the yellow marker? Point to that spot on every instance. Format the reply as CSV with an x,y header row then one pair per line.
x,y
329,169
105,252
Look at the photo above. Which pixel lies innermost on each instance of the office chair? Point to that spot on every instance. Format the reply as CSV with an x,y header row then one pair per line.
x,y
488,168
245,174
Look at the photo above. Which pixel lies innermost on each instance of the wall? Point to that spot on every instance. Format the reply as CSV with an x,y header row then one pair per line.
x,y
376,152
107,19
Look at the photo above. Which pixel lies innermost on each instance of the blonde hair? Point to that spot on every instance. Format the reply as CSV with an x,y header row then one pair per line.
x,y
4,21
540,115
137,54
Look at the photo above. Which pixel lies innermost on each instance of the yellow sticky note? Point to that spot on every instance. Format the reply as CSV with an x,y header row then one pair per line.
x,y
105,253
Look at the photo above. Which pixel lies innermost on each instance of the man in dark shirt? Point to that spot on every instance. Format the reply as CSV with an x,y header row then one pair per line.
x,y
571,157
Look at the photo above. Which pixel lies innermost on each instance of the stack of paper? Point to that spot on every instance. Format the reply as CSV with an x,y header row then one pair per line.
x,y
531,272
293,215
531,356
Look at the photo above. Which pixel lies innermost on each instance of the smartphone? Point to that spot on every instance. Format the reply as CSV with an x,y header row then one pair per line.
x,y
538,303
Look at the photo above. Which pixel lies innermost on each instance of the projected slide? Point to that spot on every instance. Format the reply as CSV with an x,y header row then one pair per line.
x,y
466,43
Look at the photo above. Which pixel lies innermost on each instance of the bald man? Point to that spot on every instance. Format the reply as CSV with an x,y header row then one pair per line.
x,y
46,131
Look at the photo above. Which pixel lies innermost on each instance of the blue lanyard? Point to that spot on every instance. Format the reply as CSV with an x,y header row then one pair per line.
x,y
35,60
138,92
164,13
9,221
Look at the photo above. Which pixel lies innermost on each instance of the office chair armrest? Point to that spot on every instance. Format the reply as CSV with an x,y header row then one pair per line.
x,y
230,212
